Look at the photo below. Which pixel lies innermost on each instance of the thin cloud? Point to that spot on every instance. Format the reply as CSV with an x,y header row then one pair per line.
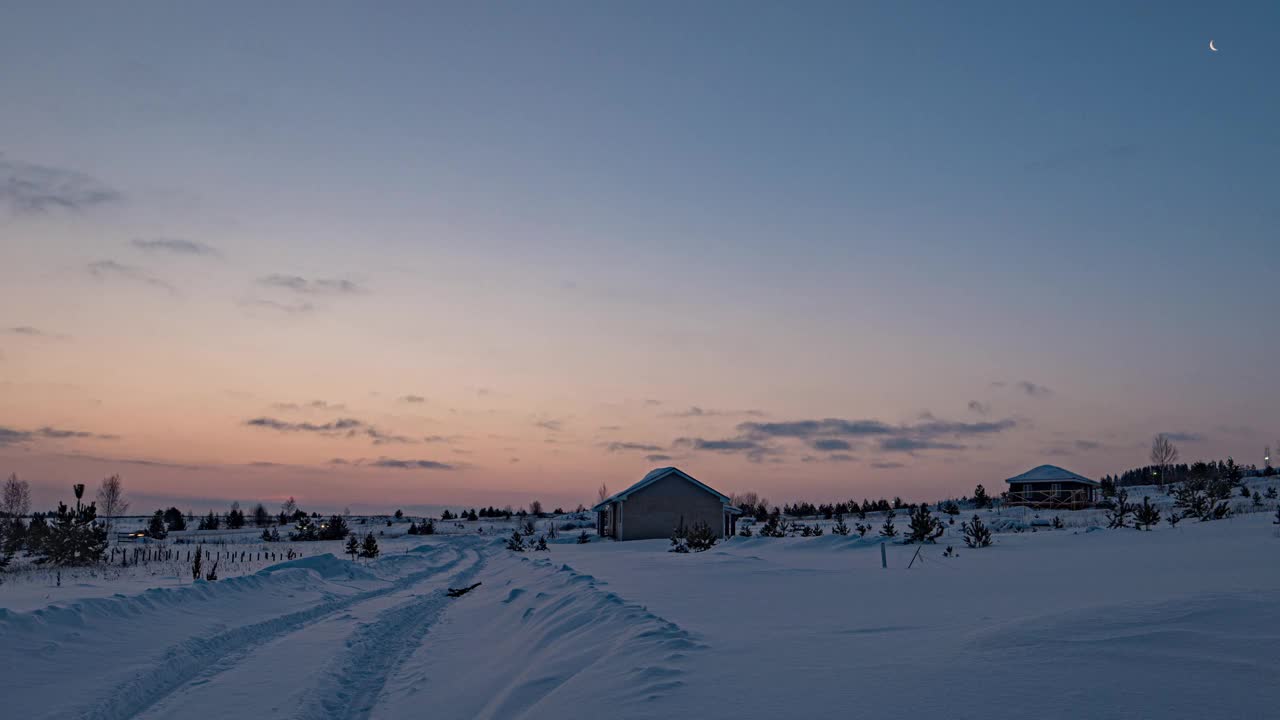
x,y
628,446
657,458
32,332
105,269
694,411
26,188
910,445
413,399
313,405
336,426
1033,390
832,434
12,436
412,464
300,308
319,286
1186,437
341,427
552,425
753,450
979,407
134,461
174,246
886,465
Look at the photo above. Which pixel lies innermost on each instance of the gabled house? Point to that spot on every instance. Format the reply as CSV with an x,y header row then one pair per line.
x,y
662,501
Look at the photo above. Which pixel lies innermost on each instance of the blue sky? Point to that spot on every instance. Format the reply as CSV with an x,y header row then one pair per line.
x,y
549,211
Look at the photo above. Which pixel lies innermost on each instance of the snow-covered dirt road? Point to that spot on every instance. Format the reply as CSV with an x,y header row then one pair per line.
x,y
1173,623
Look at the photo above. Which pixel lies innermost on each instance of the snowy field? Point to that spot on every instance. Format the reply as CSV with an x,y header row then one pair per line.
x,y
1081,622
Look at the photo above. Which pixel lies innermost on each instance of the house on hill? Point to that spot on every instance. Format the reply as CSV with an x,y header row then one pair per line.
x,y
1049,486
663,500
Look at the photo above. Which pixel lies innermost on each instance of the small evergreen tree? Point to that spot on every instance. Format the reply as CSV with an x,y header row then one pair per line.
x,y
541,544
305,530
888,530
700,537
841,527
370,547
515,543
583,538
745,531
1118,515
976,534
1173,518
1057,523
413,528
1145,515
156,528
427,528
197,562
980,498
353,547
75,538
923,527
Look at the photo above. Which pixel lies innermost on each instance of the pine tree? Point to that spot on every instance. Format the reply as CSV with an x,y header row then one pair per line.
x,y
370,547
980,498
353,547
541,544
584,538
700,537
196,562
923,527
174,520
1146,515
427,528
515,543
1118,515
840,528
888,530
976,534
157,528
75,538
305,530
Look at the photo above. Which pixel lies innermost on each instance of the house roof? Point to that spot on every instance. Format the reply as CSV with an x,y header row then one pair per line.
x,y
1050,473
656,475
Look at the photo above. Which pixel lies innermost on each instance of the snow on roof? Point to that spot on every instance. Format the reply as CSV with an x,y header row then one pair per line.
x,y
652,477
1049,473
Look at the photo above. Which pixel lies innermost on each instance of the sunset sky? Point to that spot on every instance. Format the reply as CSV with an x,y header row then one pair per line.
x,y
412,254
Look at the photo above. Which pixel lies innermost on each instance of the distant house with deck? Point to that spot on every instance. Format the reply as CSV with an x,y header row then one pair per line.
x,y
663,500
1049,486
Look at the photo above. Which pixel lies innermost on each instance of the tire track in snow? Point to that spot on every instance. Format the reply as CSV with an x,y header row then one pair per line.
x,y
191,658
355,680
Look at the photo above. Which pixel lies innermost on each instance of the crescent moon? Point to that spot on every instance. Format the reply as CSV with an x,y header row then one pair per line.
x,y
1211,47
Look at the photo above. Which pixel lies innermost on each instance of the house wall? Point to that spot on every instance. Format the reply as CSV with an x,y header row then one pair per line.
x,y
654,511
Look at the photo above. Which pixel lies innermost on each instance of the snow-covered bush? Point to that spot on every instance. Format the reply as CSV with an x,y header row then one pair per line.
x,y
541,544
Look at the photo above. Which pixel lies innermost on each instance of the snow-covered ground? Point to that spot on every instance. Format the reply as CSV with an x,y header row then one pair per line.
x,y
1082,622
